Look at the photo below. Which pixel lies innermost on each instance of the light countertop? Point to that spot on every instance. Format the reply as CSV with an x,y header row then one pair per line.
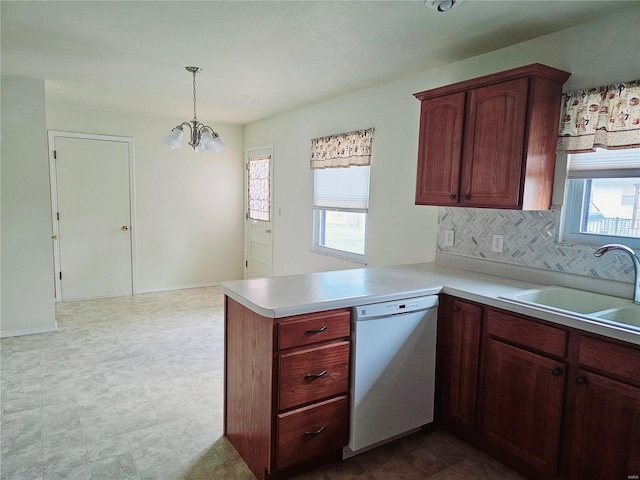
x,y
284,296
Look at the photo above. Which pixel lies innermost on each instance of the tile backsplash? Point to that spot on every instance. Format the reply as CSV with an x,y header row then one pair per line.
x,y
530,239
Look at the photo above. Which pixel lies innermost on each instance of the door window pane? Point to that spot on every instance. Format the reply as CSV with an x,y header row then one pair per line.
x,y
259,188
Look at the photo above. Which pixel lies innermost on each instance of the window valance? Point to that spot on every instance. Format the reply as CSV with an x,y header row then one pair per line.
x,y
605,117
342,150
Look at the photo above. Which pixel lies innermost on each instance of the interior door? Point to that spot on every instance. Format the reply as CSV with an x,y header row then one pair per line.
x,y
259,212
93,217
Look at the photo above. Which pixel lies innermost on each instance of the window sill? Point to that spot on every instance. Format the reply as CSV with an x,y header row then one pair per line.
x,y
328,252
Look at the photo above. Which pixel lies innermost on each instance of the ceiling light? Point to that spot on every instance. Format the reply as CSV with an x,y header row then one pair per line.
x,y
202,137
444,5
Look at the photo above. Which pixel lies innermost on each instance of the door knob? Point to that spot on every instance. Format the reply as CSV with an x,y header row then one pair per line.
x,y
125,228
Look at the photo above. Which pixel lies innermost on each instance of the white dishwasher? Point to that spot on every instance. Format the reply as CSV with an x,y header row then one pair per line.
x,y
393,371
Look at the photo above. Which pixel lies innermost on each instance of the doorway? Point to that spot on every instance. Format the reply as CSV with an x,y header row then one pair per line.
x,y
92,178
258,230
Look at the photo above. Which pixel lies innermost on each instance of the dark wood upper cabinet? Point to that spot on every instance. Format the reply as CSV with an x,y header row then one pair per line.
x,y
490,141
441,142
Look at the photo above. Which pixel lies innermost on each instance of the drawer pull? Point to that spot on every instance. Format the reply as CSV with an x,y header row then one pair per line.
x,y
556,372
319,330
317,432
582,380
315,375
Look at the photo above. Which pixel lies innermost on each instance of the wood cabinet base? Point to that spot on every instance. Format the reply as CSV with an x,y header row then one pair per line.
x,y
286,399
551,402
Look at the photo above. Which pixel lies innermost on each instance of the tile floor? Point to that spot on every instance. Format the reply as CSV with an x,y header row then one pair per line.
x,y
131,388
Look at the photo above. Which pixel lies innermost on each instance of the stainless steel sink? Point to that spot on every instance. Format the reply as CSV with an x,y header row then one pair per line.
x,y
567,300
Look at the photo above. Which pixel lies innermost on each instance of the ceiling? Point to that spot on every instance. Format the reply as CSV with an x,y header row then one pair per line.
x,y
259,58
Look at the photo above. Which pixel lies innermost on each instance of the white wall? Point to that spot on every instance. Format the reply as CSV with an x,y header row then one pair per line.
x,y
399,232
26,252
189,206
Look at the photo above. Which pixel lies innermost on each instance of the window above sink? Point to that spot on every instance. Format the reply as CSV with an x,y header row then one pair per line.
x,y
602,201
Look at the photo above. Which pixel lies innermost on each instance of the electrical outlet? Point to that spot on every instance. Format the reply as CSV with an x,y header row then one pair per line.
x,y
449,237
497,244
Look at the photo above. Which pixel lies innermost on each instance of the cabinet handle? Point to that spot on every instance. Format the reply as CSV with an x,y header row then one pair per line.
x,y
318,330
582,380
316,375
467,197
452,196
317,432
456,308
556,372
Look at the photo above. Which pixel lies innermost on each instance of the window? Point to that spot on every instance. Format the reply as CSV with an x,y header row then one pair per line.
x,y
340,206
603,198
259,188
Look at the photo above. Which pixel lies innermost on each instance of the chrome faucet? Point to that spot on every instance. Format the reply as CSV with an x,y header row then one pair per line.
x,y
636,265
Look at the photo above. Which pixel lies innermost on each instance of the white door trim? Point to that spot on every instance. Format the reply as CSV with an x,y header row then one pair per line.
x,y
248,153
52,134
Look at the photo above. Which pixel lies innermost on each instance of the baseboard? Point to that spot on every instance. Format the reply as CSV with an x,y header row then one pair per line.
x,y
28,331
179,287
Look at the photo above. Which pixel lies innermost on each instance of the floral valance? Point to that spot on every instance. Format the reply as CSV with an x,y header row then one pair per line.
x,y
605,117
342,150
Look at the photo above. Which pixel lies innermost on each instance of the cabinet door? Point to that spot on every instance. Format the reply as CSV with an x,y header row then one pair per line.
x,y
439,150
522,404
494,145
458,357
606,429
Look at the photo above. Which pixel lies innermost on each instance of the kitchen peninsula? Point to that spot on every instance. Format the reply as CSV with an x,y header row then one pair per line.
x,y
280,331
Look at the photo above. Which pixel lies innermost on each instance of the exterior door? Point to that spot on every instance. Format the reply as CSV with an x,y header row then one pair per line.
x,y
92,216
258,216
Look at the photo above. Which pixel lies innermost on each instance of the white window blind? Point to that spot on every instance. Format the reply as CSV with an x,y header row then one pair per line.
x,y
605,164
344,189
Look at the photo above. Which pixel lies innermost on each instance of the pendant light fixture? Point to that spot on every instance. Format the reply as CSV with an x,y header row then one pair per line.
x,y
202,136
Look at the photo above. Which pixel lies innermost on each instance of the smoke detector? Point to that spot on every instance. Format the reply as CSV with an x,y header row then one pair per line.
x,y
443,5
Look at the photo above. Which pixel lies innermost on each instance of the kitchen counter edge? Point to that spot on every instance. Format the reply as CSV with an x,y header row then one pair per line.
x,y
278,297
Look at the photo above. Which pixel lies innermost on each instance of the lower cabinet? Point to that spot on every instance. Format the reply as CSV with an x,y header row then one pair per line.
x,y
522,404
457,358
551,402
605,440
286,388
308,432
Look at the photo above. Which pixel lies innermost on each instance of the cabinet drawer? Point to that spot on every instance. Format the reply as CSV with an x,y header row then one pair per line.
x,y
312,431
307,329
526,333
610,358
312,374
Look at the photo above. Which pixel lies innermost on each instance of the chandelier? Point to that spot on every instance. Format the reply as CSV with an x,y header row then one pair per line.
x,y
202,137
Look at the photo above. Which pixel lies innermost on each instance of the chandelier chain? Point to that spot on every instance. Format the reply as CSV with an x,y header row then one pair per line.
x,y
195,120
